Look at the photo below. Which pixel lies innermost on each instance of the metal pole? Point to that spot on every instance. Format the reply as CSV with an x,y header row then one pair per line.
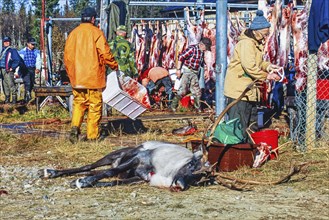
x,y
104,17
42,41
49,44
221,53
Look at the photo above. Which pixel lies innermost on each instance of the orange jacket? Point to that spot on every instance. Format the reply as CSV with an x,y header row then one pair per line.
x,y
86,54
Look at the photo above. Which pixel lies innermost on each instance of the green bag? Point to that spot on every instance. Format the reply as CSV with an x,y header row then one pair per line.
x,y
229,132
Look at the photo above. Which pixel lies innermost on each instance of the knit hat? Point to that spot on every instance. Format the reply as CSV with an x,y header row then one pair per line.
x,y
122,28
89,12
259,21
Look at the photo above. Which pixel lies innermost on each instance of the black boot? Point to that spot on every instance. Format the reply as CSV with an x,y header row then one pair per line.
x,y
14,99
174,103
27,97
197,105
7,99
74,135
169,100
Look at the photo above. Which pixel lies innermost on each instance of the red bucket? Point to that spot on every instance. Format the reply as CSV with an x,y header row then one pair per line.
x,y
269,137
186,101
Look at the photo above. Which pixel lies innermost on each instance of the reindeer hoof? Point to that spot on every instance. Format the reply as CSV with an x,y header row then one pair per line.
x,y
76,184
80,183
46,173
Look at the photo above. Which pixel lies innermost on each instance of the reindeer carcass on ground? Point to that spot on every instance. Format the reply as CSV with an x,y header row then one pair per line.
x,y
159,163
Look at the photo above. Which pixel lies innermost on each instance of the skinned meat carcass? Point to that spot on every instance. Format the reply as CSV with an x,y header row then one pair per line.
x,y
240,25
210,56
299,31
155,46
262,5
284,35
168,61
323,56
209,67
181,44
271,44
232,36
140,47
194,32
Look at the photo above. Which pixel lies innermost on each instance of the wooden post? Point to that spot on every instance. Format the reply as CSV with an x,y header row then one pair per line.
x,y
311,101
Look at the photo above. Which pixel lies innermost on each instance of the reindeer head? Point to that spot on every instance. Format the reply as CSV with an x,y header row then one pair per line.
x,y
191,173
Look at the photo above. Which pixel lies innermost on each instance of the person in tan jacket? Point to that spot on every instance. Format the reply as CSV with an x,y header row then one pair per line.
x,y
247,65
85,55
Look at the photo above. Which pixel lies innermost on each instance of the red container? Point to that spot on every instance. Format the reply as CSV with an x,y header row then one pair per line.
x,y
322,89
229,157
269,137
186,101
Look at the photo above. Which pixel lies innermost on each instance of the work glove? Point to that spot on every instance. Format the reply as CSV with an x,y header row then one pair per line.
x,y
273,68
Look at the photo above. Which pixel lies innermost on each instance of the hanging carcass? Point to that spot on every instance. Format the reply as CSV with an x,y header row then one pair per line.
x,y
158,163
300,37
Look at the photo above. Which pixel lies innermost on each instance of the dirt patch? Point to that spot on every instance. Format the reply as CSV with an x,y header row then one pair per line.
x,y
32,198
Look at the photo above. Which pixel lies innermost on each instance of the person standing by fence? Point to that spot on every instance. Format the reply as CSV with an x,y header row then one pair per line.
x,y
32,60
85,55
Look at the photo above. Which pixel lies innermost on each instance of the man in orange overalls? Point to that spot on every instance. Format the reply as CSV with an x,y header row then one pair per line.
x,y
86,54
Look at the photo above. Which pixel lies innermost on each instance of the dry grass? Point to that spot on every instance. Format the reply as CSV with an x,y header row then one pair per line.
x,y
45,151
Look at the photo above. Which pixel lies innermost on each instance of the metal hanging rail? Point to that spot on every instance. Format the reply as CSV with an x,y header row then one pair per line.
x,y
186,4
132,19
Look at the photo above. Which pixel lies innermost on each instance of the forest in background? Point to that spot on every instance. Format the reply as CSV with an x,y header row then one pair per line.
x,y
20,19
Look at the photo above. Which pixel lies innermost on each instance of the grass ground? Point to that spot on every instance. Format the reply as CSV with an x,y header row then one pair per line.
x,y
305,196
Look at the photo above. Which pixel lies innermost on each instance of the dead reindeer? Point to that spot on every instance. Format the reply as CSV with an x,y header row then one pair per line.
x,y
158,163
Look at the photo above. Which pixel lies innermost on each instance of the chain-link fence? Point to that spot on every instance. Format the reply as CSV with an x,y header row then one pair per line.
x,y
309,117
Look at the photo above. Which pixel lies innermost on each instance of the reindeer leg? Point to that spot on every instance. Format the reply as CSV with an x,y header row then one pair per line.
x,y
107,160
91,181
132,180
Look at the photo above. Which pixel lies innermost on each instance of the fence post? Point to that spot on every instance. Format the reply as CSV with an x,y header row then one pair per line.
x,y
311,101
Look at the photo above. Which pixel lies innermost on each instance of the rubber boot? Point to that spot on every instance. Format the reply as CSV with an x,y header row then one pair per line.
x,y
7,99
174,103
197,105
74,135
169,100
27,97
14,99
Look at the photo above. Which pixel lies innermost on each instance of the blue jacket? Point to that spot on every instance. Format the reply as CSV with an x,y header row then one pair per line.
x,y
318,24
12,58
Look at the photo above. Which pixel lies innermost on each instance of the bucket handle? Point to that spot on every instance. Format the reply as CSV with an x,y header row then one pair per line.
x,y
250,131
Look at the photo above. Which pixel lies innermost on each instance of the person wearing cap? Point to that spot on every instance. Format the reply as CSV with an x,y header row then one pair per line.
x,y
86,55
32,60
9,63
124,53
187,70
246,66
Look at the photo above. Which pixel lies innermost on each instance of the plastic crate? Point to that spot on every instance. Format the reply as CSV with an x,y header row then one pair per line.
x,y
125,95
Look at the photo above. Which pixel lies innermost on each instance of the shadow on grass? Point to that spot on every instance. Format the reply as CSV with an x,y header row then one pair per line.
x,y
125,126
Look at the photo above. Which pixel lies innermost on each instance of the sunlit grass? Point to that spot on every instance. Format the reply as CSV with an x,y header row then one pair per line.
x,y
43,150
